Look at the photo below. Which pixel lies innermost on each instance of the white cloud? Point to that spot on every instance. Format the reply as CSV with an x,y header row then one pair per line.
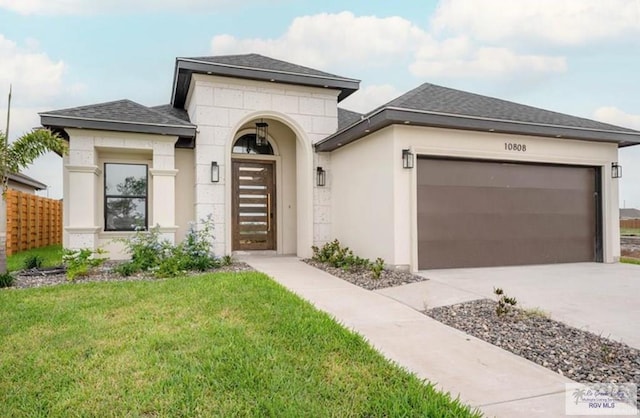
x,y
557,22
615,116
325,39
457,57
88,7
343,39
35,76
368,98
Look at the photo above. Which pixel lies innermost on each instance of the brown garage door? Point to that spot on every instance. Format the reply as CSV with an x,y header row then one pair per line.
x,y
478,214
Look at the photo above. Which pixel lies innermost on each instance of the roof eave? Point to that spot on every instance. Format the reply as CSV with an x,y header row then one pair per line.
x,y
27,181
390,116
185,68
52,121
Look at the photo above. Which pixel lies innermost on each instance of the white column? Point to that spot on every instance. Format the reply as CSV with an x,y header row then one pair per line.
x,y
163,175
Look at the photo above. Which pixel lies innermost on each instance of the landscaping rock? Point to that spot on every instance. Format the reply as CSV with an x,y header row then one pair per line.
x,y
364,277
32,278
579,355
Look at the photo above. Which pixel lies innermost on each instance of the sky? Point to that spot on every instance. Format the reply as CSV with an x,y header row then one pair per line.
x,y
580,57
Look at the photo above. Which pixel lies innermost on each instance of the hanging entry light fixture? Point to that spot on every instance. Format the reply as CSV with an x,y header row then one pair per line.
x,y
261,133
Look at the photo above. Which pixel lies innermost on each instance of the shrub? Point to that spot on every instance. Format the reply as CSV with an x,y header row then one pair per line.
x,y
126,269
377,267
149,252
32,262
6,280
226,260
505,303
335,255
196,252
80,262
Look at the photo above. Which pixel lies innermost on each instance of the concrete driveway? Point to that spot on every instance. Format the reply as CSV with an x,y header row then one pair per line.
x,y
601,298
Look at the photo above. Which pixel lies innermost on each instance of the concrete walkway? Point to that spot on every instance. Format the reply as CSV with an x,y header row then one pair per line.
x,y
499,383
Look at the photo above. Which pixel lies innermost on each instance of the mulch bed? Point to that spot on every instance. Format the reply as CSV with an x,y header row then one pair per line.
x,y
104,273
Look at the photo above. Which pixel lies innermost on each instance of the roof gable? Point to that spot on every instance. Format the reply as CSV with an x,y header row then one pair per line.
x,y
436,106
255,67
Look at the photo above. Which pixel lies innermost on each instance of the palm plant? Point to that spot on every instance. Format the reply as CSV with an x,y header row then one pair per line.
x,y
16,156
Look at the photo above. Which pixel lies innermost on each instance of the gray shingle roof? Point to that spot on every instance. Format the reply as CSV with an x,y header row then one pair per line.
x,y
121,116
172,111
347,117
629,213
436,106
121,111
261,62
433,98
255,67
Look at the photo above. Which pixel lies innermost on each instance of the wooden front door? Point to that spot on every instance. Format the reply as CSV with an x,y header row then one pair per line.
x,y
254,205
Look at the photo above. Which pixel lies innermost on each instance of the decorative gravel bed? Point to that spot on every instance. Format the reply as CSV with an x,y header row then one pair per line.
x,y
364,278
39,278
579,355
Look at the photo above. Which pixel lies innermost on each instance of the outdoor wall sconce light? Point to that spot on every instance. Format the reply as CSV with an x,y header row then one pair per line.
x,y
215,172
616,171
261,133
321,177
407,158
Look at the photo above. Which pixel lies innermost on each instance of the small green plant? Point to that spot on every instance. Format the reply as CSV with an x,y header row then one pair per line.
x,y
505,303
609,352
7,280
334,254
80,262
226,260
32,262
377,267
126,269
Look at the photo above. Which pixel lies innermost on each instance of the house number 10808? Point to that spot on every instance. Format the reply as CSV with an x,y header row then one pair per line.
x,y
509,146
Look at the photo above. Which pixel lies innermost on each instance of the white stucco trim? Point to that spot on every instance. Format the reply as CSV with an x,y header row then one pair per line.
x,y
94,169
83,230
160,172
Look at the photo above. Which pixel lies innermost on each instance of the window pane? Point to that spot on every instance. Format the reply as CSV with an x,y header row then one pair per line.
x,y
125,213
247,145
125,180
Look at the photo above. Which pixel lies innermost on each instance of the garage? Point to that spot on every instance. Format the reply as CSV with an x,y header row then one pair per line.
x,y
474,213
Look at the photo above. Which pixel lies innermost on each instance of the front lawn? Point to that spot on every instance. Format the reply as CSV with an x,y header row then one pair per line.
x,y
215,345
51,256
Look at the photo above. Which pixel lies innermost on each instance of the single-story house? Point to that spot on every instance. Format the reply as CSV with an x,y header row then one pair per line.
x,y
629,213
436,178
24,183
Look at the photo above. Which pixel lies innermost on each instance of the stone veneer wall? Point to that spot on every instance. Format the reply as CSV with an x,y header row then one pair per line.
x,y
220,106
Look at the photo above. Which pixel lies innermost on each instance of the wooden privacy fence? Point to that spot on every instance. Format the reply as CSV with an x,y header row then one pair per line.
x,y
32,221
630,223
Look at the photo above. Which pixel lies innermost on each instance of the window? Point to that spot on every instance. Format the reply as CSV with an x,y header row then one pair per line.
x,y
246,144
125,197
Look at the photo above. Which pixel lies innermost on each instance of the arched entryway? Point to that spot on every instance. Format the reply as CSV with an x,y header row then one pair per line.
x,y
268,192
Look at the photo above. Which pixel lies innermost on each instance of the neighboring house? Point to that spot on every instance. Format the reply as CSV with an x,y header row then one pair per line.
x,y
23,183
435,178
629,214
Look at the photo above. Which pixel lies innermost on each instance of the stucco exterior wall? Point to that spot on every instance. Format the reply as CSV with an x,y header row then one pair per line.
x,y
185,186
362,177
380,181
221,107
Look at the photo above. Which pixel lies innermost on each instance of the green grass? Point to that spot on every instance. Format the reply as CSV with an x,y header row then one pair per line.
x,y
215,345
630,231
630,260
52,256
